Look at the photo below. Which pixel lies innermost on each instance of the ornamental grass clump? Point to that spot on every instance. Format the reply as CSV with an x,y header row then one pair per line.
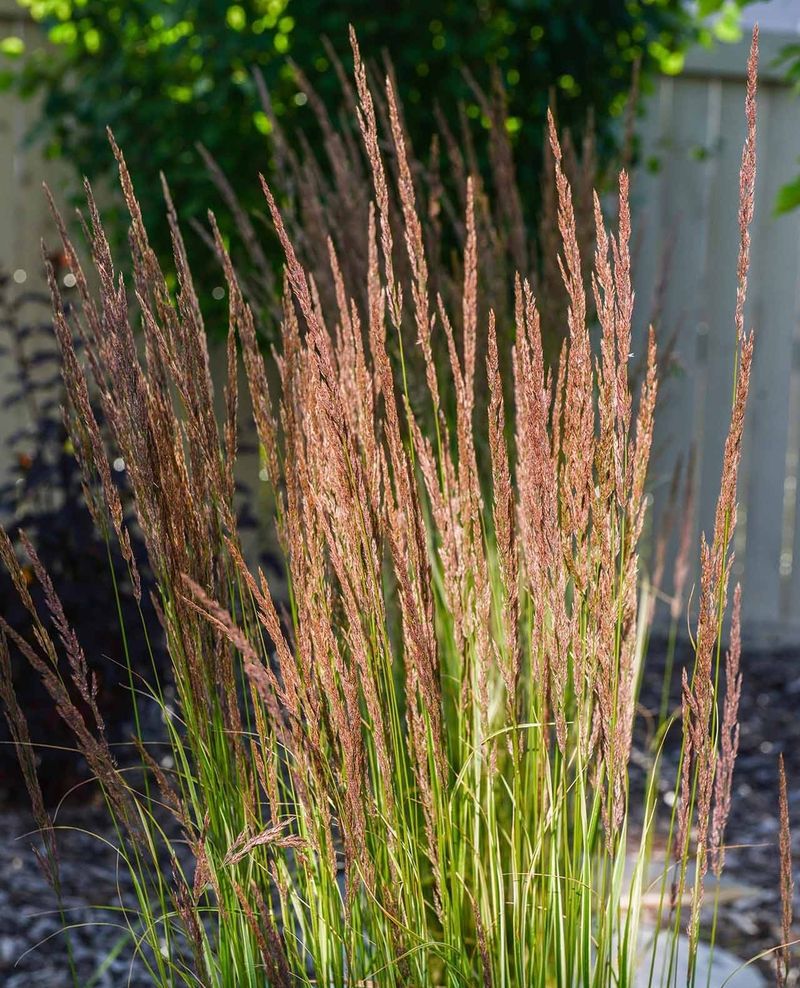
x,y
412,766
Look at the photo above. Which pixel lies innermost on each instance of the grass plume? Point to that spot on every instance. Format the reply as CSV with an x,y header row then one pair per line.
x,y
413,769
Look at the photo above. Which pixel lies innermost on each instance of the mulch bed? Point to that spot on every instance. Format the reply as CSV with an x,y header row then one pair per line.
x,y
32,941
769,726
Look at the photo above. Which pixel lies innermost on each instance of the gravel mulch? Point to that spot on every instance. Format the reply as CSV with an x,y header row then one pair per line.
x,y
750,919
32,938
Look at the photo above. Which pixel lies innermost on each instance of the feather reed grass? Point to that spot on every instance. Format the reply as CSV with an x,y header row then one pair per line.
x,y
414,769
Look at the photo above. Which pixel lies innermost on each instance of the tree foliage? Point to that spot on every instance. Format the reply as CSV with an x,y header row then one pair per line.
x,y
788,197
165,75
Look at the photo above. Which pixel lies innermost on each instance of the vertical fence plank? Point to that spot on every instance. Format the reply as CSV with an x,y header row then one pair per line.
x,y
719,302
24,216
700,143
675,217
773,292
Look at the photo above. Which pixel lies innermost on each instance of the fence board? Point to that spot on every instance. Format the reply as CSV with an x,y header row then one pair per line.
x,y
774,313
695,193
719,299
671,207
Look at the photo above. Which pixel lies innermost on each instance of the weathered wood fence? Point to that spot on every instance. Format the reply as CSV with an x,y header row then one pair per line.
x,y
685,205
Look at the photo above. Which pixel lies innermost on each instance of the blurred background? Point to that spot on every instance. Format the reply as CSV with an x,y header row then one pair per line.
x,y
210,93
201,89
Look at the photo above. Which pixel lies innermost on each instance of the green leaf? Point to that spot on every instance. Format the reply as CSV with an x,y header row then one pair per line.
x,y
670,62
788,197
12,46
707,7
728,27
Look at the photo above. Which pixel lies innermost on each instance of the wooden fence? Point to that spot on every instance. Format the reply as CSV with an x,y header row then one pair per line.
x,y
24,217
685,205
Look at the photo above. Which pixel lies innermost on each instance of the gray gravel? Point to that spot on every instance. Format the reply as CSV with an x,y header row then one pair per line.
x,y
750,924
33,946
